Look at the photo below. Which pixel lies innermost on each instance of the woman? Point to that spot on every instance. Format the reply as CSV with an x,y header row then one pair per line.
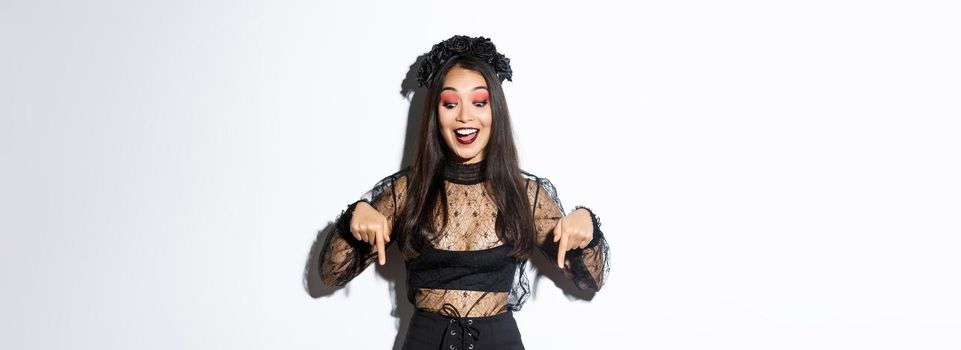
x,y
465,216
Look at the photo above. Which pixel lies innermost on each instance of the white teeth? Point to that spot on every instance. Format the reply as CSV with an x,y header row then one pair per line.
x,y
465,132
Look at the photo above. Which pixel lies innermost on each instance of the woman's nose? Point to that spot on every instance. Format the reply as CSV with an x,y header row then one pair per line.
x,y
465,114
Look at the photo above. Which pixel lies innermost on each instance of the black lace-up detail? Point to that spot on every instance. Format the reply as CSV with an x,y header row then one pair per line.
x,y
460,327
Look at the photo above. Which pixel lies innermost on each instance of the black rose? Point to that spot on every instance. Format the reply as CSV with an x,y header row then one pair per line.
x,y
502,65
483,48
425,72
439,57
458,43
437,54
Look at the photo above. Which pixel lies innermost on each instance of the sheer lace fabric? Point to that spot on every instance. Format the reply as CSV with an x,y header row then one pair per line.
x,y
471,217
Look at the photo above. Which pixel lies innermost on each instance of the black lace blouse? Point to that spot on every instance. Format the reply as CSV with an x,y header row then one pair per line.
x,y
467,266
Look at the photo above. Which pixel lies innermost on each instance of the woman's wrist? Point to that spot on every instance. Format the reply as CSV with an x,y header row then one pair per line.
x,y
595,223
343,223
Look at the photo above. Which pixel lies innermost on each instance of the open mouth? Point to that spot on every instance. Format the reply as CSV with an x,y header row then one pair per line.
x,y
466,136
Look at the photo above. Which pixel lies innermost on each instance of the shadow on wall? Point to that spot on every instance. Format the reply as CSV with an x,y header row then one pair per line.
x,y
396,273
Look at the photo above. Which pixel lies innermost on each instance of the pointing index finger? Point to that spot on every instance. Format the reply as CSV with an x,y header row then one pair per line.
x,y
561,251
386,231
382,259
558,230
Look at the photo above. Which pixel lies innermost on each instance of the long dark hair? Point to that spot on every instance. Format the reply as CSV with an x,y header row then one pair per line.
x,y
426,194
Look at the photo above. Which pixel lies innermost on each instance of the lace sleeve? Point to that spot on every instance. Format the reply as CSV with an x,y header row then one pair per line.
x,y
588,267
343,257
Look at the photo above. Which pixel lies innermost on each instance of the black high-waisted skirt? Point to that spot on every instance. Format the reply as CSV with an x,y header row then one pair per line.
x,y
432,331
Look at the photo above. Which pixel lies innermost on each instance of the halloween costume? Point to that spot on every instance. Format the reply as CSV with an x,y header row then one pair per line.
x,y
464,284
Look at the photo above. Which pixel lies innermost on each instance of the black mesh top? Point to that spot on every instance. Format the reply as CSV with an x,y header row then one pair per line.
x,y
467,266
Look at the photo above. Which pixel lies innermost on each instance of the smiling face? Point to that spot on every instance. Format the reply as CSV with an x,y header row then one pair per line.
x,y
465,114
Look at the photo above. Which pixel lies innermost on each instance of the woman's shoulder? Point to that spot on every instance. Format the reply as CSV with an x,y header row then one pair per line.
x,y
527,175
399,174
539,187
537,183
534,178
396,182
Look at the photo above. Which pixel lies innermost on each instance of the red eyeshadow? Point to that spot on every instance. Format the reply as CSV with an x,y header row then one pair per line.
x,y
480,95
448,97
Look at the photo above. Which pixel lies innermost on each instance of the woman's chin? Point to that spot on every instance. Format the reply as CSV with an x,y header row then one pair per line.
x,y
465,157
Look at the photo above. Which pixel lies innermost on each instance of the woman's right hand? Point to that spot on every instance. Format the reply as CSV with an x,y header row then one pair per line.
x,y
369,225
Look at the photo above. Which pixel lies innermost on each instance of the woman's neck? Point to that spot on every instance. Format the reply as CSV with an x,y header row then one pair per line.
x,y
465,173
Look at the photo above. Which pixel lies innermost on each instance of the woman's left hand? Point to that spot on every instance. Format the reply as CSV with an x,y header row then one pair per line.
x,y
573,231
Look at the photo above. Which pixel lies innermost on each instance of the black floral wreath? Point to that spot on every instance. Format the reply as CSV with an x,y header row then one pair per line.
x,y
460,45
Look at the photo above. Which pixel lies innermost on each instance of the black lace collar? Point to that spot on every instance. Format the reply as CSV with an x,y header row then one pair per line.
x,y
465,174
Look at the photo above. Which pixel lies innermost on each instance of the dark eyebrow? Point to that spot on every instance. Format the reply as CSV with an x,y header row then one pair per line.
x,y
453,89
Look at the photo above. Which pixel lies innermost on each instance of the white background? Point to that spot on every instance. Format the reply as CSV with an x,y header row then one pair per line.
x,y
770,175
